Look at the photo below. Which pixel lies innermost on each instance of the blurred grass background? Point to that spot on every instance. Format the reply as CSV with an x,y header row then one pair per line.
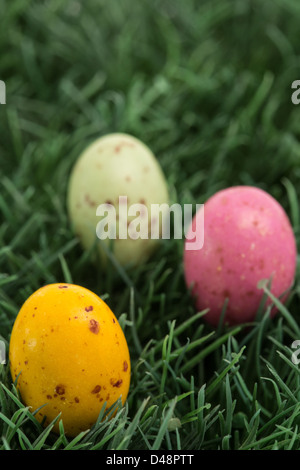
x,y
207,86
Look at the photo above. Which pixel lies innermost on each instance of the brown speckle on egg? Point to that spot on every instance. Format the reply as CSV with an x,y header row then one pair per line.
x,y
116,383
60,389
96,389
94,326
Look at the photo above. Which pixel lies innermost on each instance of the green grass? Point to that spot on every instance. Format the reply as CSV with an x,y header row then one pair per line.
x,y
207,85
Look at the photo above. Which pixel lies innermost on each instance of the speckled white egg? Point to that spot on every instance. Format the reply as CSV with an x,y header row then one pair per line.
x,y
114,170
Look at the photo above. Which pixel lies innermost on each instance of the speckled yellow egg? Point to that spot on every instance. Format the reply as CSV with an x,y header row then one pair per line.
x,y
70,354
119,172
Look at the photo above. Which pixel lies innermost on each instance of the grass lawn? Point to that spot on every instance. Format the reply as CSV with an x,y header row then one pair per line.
x,y
207,86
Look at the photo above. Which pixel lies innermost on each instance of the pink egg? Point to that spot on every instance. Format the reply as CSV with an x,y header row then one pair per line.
x,y
247,237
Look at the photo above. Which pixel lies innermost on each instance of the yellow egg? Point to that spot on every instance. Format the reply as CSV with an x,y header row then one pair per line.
x,y
113,169
71,354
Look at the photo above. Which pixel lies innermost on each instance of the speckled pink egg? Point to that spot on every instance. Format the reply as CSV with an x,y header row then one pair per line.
x,y
247,237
